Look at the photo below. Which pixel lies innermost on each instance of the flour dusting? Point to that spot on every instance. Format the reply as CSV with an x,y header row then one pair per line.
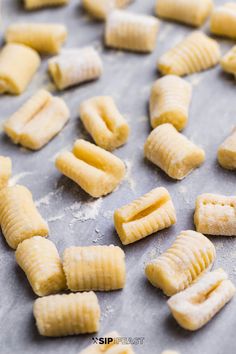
x,y
195,79
56,218
14,179
164,32
128,176
46,199
86,211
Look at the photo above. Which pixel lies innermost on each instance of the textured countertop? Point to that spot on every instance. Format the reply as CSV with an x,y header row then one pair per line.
x,y
139,310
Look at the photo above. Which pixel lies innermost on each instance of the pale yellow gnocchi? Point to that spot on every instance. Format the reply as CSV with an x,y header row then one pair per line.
x,y
104,122
94,169
195,306
148,214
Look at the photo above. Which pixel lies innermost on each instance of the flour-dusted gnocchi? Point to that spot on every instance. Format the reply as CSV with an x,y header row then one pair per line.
x,y
189,256
5,171
35,4
94,169
40,119
150,213
94,268
19,218
63,315
169,101
39,259
223,20
113,347
228,62
125,30
43,37
100,9
104,122
74,66
195,306
215,215
227,152
197,52
194,12
172,151
15,75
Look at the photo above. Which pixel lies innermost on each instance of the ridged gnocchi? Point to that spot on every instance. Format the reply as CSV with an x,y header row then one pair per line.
x,y
101,9
94,169
114,347
223,20
228,62
215,214
94,268
104,122
15,75
227,152
169,101
194,12
129,31
195,306
78,313
5,171
195,53
36,122
190,256
42,37
75,66
148,214
172,152
19,218
35,4
39,259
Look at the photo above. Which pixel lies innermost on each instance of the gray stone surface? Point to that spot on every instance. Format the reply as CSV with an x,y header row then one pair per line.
x,y
139,310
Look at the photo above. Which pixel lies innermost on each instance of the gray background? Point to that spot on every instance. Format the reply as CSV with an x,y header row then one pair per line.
x,y
139,310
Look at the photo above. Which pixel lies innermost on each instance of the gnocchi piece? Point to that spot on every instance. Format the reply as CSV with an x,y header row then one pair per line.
x,y
19,217
194,12
215,215
223,20
128,31
100,9
227,152
39,259
40,119
75,66
197,305
63,315
172,152
5,171
35,4
94,268
104,122
189,257
169,101
197,52
43,37
113,347
148,214
95,170
228,62
15,75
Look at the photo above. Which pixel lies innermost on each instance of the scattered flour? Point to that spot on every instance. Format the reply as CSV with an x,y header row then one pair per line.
x,y
99,236
13,180
56,217
108,214
108,311
128,176
46,199
85,211
184,193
